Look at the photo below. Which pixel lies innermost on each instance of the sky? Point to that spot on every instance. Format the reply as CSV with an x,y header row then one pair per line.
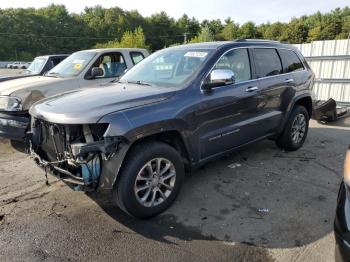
x,y
257,11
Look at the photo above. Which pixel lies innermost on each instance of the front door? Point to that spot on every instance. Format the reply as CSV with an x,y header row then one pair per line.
x,y
227,115
113,66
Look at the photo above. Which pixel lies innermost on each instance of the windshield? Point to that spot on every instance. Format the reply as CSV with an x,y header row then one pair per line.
x,y
36,66
72,65
168,68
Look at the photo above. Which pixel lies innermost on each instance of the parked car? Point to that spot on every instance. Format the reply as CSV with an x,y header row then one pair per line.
x,y
39,66
86,68
10,65
18,65
178,109
342,217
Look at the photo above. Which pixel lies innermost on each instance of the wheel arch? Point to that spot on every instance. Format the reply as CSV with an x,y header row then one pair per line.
x,y
170,137
303,100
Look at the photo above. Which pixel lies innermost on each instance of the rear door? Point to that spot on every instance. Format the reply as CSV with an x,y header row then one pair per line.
x,y
294,69
274,85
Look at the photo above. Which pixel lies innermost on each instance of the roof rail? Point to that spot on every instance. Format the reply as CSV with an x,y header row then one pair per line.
x,y
257,40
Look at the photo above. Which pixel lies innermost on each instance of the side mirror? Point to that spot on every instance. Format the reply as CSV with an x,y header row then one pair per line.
x,y
96,72
219,77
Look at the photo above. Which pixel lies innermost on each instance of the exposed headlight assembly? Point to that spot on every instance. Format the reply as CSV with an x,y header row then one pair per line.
x,y
10,103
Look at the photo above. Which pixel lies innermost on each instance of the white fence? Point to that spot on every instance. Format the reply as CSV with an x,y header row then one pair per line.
x,y
330,61
3,64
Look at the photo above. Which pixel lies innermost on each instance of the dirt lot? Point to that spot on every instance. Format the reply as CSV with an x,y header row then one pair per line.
x,y
216,217
7,72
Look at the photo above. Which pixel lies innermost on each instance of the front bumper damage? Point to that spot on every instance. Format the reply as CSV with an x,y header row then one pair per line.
x,y
79,161
13,125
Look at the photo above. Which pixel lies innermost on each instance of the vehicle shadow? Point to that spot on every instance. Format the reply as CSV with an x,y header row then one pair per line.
x,y
258,196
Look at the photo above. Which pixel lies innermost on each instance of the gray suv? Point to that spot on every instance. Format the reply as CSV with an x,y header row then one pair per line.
x,y
174,111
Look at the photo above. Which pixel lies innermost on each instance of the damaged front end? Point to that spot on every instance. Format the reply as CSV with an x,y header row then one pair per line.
x,y
74,153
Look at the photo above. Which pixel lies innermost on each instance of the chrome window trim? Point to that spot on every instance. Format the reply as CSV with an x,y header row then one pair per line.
x,y
258,78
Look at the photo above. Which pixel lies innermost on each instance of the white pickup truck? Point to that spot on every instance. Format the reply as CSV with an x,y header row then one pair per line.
x,y
18,65
82,69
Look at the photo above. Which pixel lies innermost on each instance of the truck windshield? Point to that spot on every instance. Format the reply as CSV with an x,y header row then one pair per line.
x,y
36,66
167,68
72,65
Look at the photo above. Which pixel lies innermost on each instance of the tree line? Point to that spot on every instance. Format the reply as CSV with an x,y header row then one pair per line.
x,y
26,33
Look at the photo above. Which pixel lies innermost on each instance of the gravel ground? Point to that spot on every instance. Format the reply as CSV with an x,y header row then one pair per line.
x,y
215,218
7,72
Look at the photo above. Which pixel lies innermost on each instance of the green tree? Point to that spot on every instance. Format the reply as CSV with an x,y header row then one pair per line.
x,y
28,32
274,31
129,40
204,36
230,30
187,25
296,32
248,31
215,26
162,31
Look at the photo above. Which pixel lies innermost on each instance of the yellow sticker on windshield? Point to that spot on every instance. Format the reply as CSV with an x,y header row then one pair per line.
x,y
77,66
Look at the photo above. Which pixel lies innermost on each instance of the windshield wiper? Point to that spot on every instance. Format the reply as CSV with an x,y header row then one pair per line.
x,y
142,83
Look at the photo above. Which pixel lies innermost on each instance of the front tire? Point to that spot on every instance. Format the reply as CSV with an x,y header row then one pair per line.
x,y
295,130
150,179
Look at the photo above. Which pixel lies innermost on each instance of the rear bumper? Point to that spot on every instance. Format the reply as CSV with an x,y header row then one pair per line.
x,y
13,126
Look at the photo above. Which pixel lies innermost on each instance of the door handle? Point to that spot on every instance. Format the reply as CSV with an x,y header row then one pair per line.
x,y
290,80
251,89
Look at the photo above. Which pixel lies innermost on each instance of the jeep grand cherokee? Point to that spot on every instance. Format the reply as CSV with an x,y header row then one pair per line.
x,y
178,109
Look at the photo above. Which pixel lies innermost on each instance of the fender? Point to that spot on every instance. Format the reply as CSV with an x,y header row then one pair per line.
x,y
303,94
112,167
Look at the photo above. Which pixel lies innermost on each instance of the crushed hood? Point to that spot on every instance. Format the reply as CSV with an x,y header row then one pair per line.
x,y
91,104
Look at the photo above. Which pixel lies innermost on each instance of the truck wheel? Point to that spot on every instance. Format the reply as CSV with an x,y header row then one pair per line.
x,y
295,130
150,179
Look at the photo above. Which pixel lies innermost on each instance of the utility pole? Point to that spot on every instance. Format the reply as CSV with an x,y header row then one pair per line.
x,y
185,38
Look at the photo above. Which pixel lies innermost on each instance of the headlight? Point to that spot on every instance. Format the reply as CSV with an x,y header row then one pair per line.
x,y
10,103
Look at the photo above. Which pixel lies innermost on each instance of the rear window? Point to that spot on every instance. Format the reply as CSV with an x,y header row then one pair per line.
x,y
136,57
57,60
290,61
267,62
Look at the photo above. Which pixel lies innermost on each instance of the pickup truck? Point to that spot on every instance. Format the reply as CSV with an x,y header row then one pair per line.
x,y
18,65
178,109
88,68
39,66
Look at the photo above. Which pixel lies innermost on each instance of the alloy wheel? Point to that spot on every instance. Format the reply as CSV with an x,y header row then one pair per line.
x,y
298,128
155,182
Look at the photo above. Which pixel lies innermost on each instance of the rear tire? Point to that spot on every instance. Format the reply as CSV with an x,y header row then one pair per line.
x,y
295,130
142,190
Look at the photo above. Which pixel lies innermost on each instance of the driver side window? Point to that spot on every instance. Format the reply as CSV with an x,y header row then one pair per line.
x,y
112,65
236,60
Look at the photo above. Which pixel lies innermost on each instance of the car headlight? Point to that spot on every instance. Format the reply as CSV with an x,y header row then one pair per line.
x,y
10,103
